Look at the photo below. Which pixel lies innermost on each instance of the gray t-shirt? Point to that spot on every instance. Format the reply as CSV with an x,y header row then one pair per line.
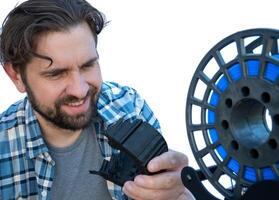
x,y
72,164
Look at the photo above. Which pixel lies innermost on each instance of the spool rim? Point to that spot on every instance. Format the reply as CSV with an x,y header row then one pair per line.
x,y
224,91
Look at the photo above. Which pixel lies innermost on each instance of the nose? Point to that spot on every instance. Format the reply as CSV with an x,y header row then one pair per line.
x,y
77,86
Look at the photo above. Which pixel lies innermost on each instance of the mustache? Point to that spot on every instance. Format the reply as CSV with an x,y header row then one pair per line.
x,y
72,99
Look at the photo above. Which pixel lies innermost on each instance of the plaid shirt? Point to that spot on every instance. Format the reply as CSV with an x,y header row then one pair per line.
x,y
26,167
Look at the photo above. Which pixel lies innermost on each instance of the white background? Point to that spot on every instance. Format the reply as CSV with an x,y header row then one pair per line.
x,y
156,45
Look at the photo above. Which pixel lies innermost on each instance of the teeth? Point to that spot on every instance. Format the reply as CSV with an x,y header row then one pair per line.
x,y
76,103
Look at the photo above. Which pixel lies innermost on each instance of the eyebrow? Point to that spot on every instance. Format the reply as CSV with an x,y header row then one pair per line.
x,y
89,62
62,70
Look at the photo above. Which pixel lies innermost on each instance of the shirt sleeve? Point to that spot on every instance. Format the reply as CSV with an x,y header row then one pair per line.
x,y
116,102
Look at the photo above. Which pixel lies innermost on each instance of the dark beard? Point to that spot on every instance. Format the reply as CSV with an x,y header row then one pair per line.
x,y
61,119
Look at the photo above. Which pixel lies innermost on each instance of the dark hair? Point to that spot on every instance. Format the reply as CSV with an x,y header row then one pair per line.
x,y
25,23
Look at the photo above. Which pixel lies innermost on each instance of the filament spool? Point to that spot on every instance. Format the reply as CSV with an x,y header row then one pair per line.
x,y
233,110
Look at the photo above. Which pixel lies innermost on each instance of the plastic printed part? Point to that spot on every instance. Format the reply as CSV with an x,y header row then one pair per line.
x,y
232,117
138,143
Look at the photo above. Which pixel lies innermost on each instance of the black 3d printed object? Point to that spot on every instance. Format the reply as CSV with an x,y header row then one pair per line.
x,y
233,110
138,143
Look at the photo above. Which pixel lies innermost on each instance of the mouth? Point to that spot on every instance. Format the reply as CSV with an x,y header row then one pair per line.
x,y
75,104
78,107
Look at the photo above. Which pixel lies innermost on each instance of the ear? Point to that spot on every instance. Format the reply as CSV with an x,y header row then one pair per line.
x,y
15,77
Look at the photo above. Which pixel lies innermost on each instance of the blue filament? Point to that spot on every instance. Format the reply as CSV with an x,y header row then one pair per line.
x,y
213,134
214,99
235,72
271,72
250,174
253,67
233,165
211,117
268,174
222,152
222,83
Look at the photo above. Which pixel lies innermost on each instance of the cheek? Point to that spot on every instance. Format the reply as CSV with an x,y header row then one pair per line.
x,y
44,90
46,93
95,78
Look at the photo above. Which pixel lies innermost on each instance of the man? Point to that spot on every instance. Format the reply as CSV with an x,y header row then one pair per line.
x,y
50,140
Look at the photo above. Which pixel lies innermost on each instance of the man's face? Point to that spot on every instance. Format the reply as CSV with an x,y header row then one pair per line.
x,y
65,92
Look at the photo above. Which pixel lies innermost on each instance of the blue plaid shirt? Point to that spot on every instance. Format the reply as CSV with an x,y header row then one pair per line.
x,y
26,167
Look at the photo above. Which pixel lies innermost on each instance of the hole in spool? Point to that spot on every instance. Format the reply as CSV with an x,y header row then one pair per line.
x,y
250,125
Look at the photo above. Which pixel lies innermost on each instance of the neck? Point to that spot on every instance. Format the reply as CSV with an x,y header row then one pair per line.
x,y
56,136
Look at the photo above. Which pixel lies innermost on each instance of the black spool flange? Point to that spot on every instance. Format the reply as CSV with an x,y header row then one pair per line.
x,y
233,106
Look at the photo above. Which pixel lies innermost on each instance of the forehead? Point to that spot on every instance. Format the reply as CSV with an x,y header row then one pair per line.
x,y
69,47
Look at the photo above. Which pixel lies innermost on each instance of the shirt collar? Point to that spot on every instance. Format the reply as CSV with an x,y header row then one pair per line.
x,y
35,144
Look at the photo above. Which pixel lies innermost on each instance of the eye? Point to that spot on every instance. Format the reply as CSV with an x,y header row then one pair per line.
x,y
56,74
89,65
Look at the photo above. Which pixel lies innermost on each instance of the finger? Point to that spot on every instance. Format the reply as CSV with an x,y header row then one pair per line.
x,y
186,195
163,180
170,160
136,192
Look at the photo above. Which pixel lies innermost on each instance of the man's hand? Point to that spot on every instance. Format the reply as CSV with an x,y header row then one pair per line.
x,y
162,186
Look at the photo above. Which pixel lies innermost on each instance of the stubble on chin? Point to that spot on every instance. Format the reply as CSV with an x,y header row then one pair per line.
x,y
59,118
